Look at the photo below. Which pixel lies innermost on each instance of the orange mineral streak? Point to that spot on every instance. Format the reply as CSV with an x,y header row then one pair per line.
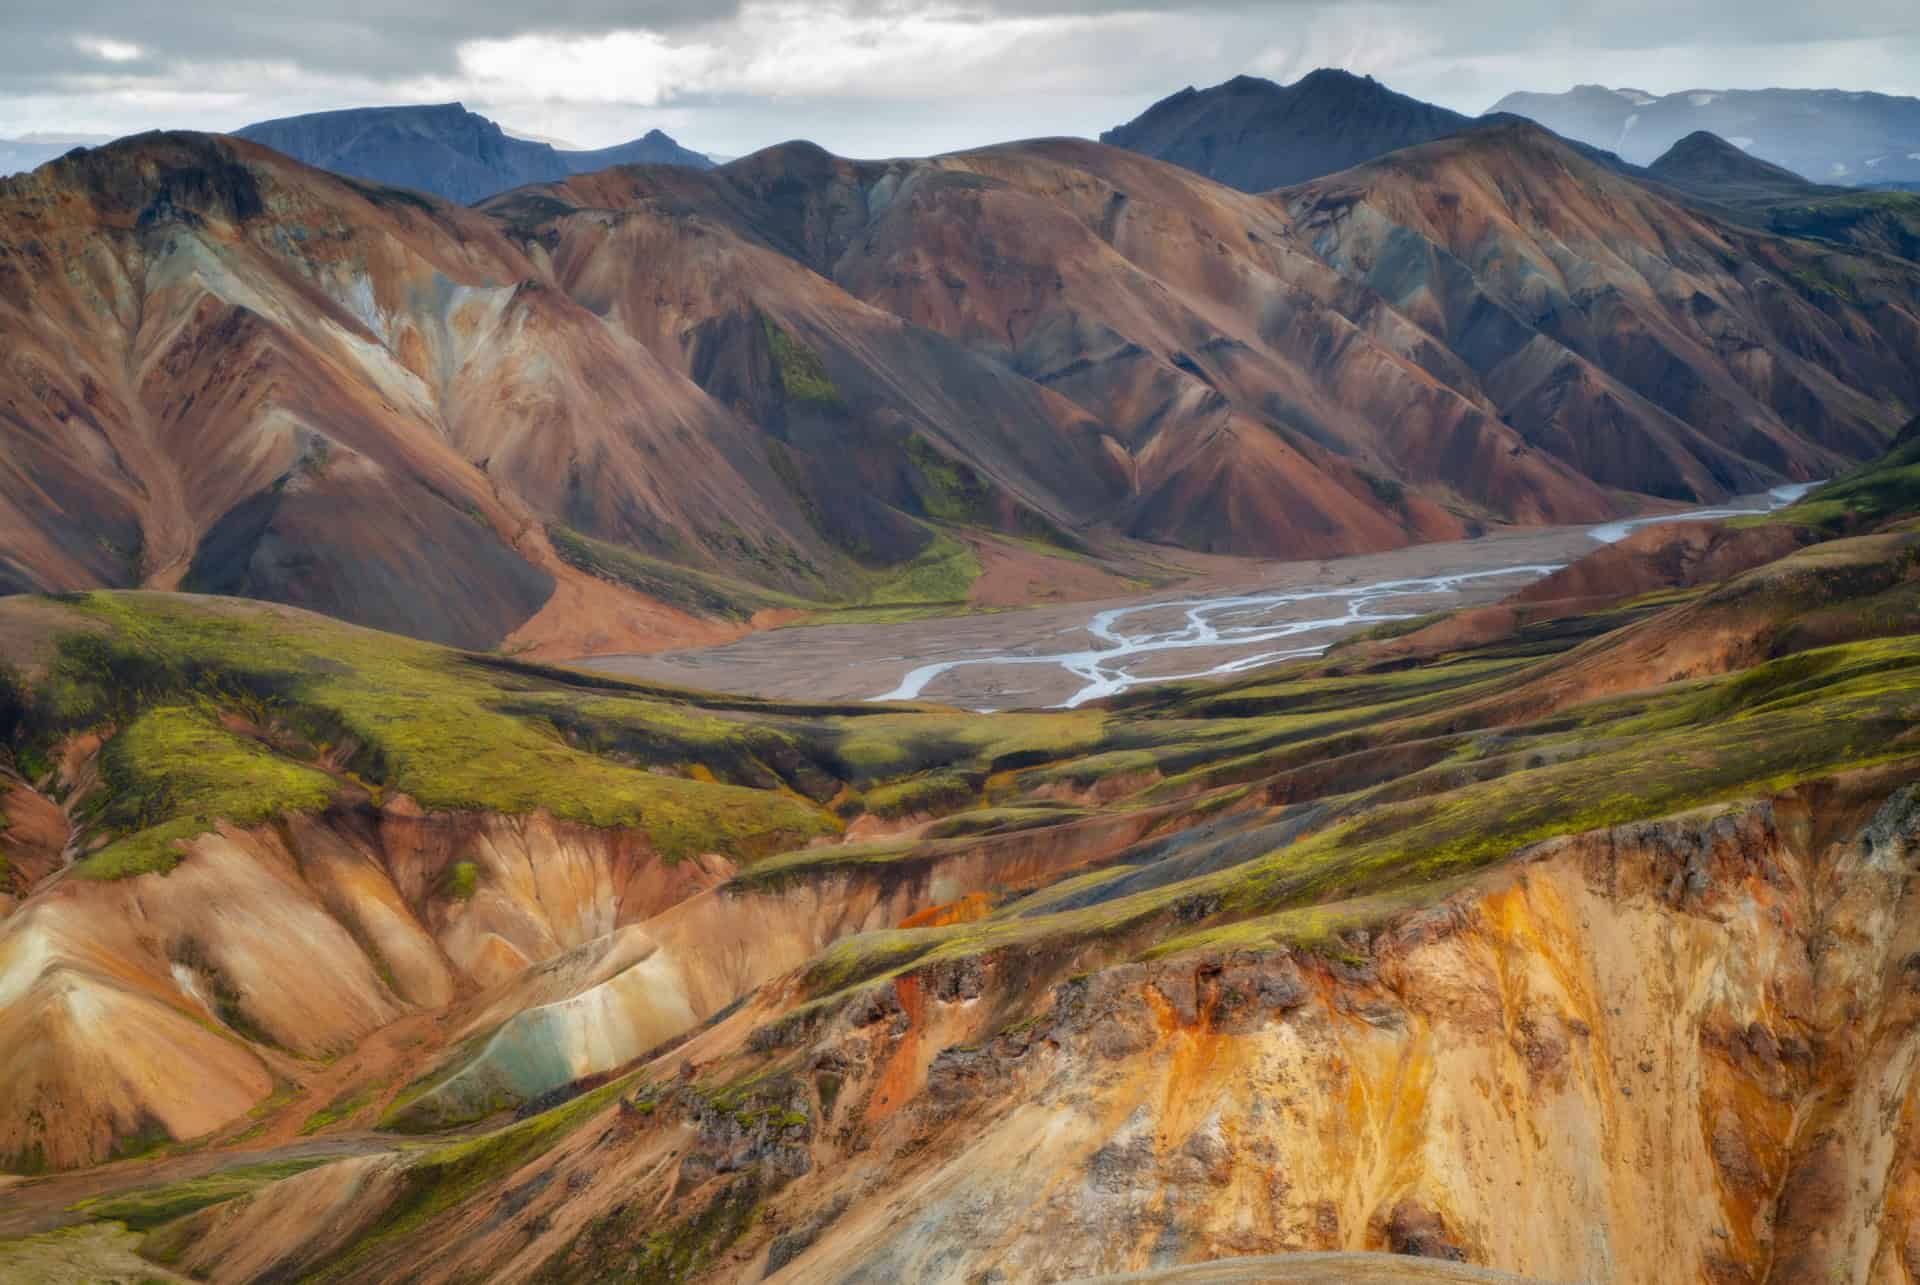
x,y
905,1068
974,906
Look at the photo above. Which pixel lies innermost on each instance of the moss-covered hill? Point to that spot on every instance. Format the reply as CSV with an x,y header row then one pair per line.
x,y
1294,813
215,709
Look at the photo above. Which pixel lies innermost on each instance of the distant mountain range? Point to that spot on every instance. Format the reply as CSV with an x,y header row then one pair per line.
x,y
1260,136
1830,135
31,151
447,150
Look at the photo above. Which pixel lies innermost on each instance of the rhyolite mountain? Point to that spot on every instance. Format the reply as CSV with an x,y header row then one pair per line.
x,y
446,149
1256,135
1571,936
634,407
1614,328
1828,135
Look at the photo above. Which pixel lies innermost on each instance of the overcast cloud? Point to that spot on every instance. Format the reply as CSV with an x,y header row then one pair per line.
x,y
883,77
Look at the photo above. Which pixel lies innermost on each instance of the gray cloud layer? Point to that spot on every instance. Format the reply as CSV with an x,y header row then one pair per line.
x,y
381,38
870,76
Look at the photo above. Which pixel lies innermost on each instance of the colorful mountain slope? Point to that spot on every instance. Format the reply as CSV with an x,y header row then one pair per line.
x,y
1644,343
1587,914
636,408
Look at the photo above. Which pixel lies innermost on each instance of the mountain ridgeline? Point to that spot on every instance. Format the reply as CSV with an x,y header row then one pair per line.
x,y
639,406
20,154
446,150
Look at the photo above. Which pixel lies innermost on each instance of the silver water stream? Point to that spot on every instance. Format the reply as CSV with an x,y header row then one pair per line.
x,y
1250,620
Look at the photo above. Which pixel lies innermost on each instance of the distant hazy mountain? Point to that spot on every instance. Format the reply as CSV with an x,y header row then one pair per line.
x,y
30,151
446,150
1828,135
1709,168
1705,164
559,144
1255,135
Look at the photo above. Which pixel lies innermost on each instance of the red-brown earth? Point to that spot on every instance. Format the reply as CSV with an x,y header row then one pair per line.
x,y
1573,943
780,383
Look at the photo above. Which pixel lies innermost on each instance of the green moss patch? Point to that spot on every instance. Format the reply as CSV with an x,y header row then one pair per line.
x,y
933,793
442,1178
149,1207
420,720
943,572
463,878
1413,839
1887,487
803,376
173,772
344,1107
949,490
701,593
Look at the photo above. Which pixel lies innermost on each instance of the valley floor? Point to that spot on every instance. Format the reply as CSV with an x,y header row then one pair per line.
x,y
1244,614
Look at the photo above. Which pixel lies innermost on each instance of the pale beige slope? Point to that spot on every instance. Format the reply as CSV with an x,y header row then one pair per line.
x,y
158,1007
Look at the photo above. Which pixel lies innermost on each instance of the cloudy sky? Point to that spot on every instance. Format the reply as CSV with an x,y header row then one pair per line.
x,y
882,77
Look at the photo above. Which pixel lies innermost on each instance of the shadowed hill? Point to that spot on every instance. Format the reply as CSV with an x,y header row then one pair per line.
x,y
1708,165
1752,191
446,150
1255,135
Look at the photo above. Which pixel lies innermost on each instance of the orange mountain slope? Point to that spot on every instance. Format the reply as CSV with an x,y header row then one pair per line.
x,y
233,373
